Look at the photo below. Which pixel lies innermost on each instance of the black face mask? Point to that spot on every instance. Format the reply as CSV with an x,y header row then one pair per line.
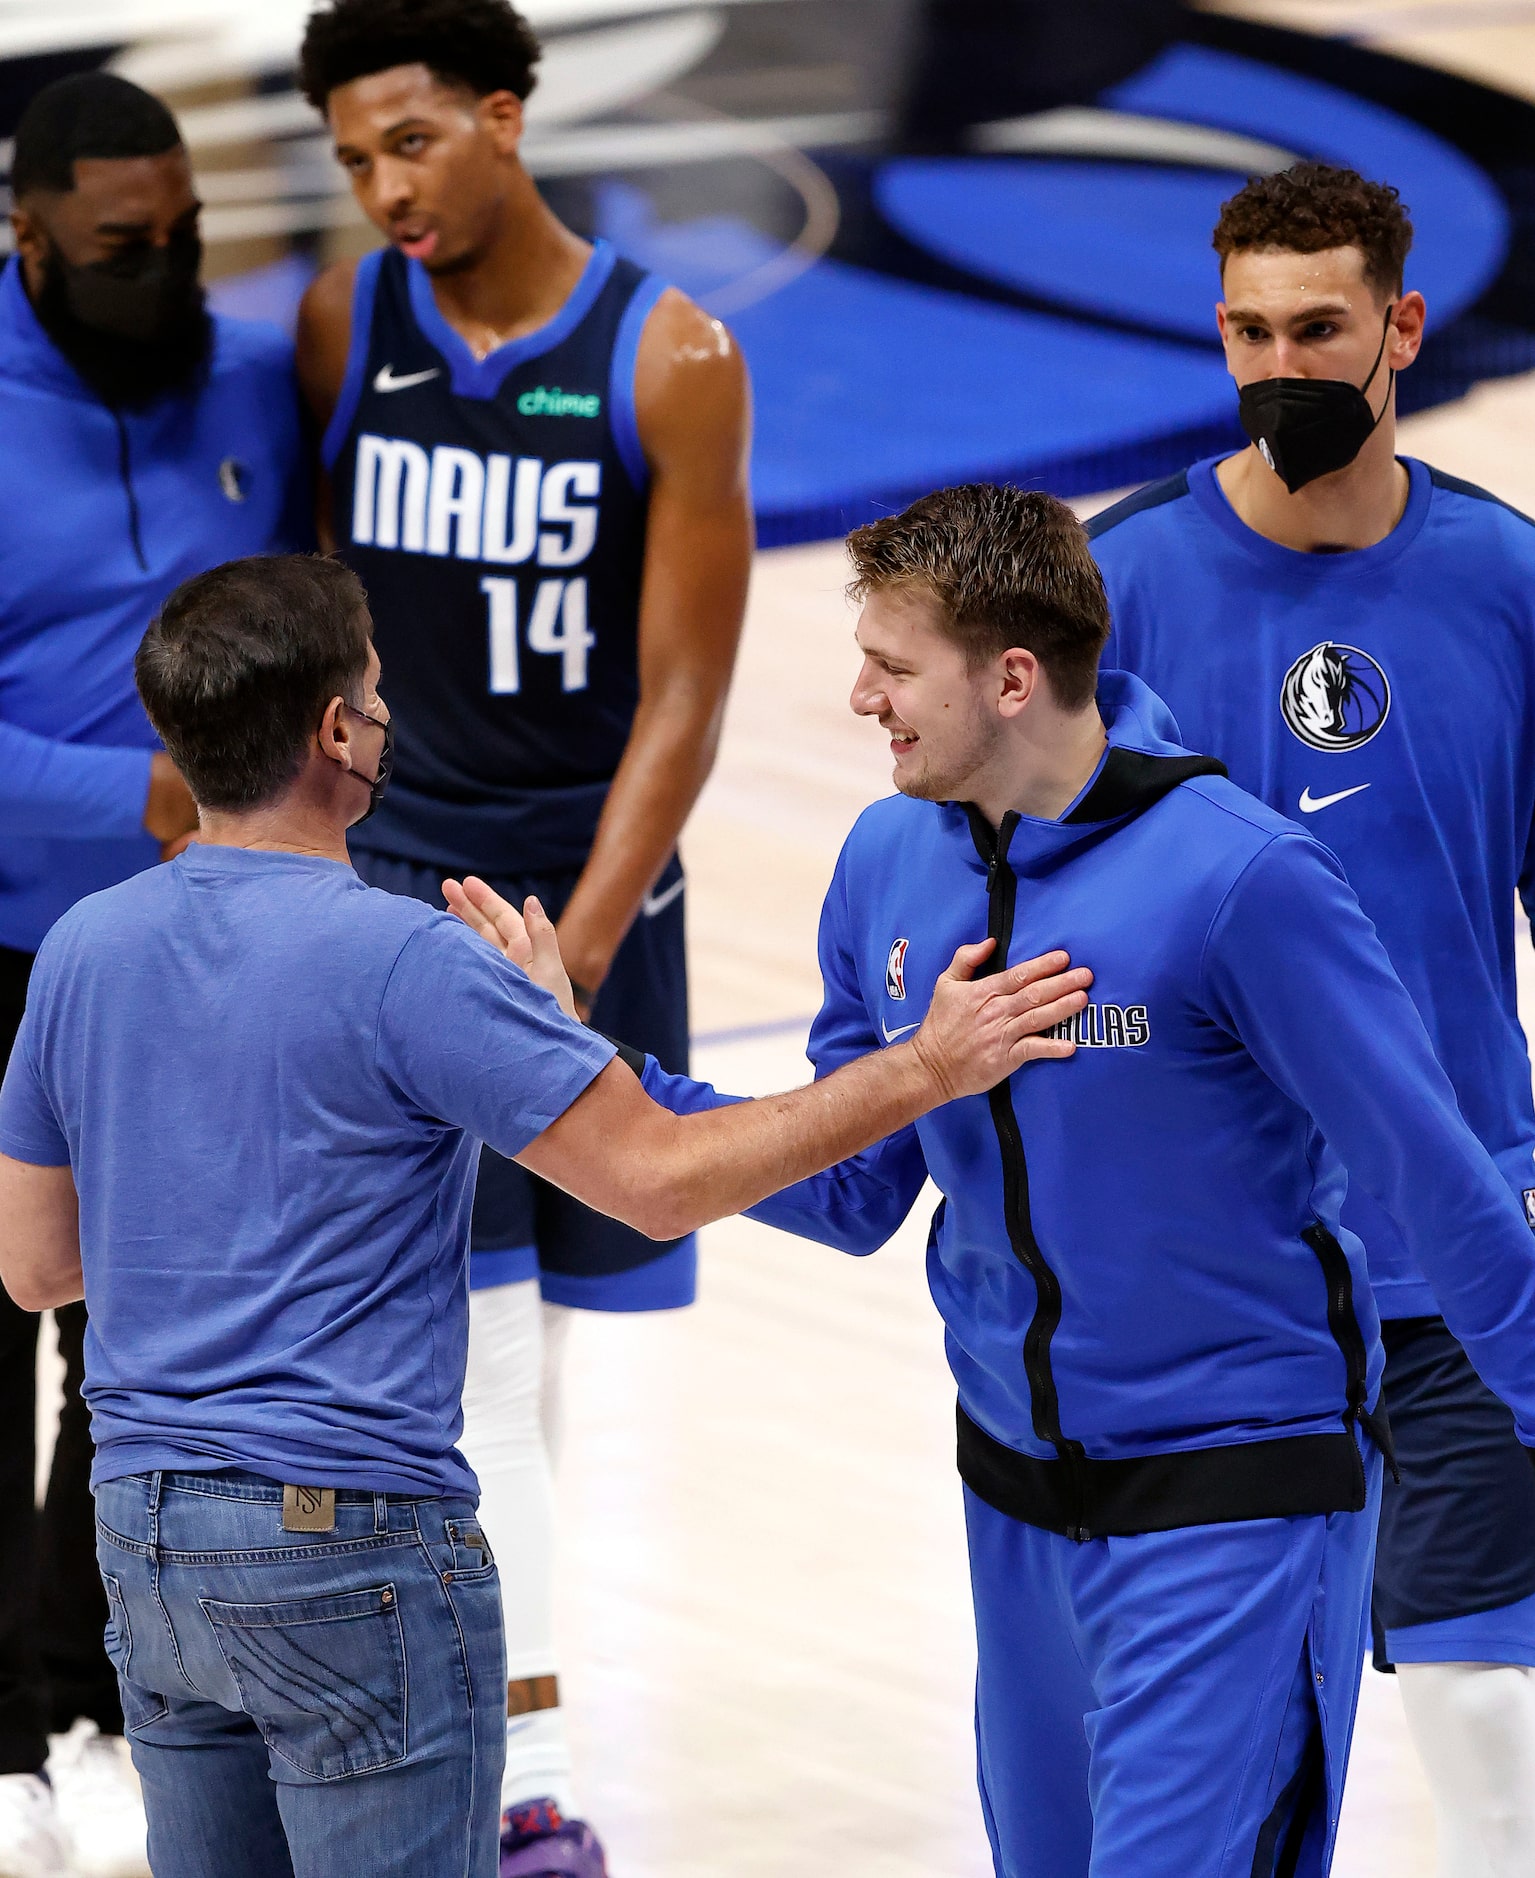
x,y
1309,427
380,780
132,327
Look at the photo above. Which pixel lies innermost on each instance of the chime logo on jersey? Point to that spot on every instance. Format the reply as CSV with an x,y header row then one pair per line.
x,y
895,970
477,508
1335,697
1105,1027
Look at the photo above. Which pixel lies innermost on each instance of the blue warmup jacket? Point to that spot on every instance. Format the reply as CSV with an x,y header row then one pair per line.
x,y
101,516
1153,1312
1387,699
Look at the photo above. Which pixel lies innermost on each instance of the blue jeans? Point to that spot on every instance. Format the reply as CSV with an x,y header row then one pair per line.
x,y
306,1704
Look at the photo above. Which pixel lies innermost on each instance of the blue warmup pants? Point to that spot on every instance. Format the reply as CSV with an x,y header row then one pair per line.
x,y
1172,1705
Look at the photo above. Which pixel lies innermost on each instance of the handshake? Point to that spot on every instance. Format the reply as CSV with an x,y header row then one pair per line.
x,y
977,1031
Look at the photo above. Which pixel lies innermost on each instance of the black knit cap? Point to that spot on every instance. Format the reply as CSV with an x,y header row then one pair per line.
x,y
92,114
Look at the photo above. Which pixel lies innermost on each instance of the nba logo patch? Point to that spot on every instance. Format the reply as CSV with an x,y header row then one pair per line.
x,y
895,983
1529,1207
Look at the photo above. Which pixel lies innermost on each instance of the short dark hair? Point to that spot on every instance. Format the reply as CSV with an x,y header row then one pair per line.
x,y
1313,206
91,114
1008,567
484,45
239,665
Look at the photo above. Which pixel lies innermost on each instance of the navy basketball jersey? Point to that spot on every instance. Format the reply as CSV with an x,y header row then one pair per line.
x,y
495,511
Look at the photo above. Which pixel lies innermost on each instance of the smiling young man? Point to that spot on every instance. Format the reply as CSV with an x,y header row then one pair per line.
x,y
537,463
1164,1338
1354,635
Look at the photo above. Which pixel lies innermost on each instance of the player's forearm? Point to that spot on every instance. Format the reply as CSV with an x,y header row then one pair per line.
x,y
708,1166
70,791
670,753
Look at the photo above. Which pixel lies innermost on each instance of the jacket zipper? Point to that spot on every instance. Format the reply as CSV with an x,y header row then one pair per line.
x,y
125,471
1045,1408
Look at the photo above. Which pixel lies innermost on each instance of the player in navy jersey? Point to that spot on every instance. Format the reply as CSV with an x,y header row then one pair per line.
x,y
1354,635
537,463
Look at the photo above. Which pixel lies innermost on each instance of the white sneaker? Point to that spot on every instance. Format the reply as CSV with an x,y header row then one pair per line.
x,y
99,1803
31,1840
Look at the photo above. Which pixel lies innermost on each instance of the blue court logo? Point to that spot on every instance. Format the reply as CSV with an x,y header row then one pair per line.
x,y
1335,697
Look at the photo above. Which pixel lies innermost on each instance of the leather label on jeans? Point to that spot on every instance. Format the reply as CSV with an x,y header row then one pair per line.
x,y
309,1509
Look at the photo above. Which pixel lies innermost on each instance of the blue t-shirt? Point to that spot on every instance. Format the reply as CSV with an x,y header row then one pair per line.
x,y
271,1082
1385,700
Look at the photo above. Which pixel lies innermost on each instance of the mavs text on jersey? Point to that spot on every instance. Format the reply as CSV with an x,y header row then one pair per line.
x,y
495,510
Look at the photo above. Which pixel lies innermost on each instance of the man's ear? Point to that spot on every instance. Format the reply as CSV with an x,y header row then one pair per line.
x,y
333,736
1019,675
1407,331
31,241
501,114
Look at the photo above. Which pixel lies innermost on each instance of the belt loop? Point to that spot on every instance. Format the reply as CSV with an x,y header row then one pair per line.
x,y
380,1512
153,1510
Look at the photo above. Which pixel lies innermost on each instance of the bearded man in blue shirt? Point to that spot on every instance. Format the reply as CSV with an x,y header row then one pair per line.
x,y
141,440
1353,633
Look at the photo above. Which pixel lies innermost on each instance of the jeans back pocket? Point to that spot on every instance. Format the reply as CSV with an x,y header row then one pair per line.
x,y
323,1678
141,1706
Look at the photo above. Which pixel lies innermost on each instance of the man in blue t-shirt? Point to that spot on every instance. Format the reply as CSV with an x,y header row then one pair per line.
x,y
141,440
244,1113
1353,634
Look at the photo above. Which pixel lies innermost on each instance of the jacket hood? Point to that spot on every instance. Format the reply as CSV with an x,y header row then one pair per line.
x,y
1144,760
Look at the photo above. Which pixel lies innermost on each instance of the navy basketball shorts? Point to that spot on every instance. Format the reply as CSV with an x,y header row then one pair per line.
x,y
1170,1705
1455,1566
524,1228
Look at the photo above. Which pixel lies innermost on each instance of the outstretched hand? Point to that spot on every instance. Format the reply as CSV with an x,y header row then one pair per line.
x,y
979,1030
526,938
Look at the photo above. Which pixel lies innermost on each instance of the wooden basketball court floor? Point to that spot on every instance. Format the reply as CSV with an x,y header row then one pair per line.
x,y
763,1607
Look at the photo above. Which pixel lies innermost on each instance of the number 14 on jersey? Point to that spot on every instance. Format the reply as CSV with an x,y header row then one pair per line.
x,y
556,627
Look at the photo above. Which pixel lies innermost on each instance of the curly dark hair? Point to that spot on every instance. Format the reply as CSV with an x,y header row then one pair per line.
x,y
1008,567
1312,206
485,45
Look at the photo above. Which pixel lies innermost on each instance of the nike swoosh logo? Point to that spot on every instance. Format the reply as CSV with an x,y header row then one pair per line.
x,y
654,903
891,1035
1309,804
385,379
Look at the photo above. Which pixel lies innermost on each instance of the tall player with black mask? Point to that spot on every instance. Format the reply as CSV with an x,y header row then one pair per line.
x,y
537,463
1353,634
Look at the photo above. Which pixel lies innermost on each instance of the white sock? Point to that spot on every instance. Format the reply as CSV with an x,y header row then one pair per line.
x,y
1473,1725
511,1420
538,1761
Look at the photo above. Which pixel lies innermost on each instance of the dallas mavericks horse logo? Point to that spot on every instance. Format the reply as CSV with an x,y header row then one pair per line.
x,y
1335,697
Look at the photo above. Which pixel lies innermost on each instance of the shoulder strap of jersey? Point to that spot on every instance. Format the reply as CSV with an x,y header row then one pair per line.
x,y
1169,489
622,420
1441,479
364,292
